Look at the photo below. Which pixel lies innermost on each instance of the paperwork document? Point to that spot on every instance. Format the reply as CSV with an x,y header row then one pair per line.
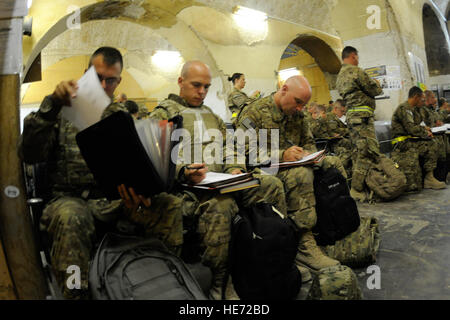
x,y
444,128
309,159
87,107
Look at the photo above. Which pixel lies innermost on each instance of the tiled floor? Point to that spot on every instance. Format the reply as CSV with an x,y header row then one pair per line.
x,y
414,256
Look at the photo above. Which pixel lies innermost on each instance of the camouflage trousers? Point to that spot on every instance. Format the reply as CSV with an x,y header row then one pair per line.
x,y
407,154
343,150
365,147
71,227
441,146
210,215
213,213
300,200
299,190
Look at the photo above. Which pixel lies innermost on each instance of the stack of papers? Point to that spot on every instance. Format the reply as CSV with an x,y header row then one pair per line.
x,y
226,182
309,159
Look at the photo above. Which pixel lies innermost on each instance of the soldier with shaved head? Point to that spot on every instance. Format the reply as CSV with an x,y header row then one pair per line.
x,y
210,213
282,111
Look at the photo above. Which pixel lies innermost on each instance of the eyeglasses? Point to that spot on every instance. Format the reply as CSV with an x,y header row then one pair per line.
x,y
108,81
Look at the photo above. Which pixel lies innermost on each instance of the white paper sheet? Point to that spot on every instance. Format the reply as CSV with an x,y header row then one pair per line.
x,y
445,127
213,177
312,156
88,105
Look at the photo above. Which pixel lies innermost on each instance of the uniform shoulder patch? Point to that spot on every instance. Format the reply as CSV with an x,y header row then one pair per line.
x,y
248,124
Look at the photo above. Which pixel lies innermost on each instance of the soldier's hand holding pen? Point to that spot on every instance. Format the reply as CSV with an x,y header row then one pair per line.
x,y
294,153
196,172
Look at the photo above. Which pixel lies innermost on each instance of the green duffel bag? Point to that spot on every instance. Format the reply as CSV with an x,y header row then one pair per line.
x,y
335,283
358,249
385,180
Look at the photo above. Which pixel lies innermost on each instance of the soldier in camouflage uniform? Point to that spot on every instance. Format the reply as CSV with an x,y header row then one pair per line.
x,y
359,91
238,99
282,111
329,127
444,110
76,206
432,118
411,141
213,211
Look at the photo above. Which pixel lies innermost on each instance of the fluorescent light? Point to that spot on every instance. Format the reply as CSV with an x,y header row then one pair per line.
x,y
287,73
167,59
29,3
252,24
250,13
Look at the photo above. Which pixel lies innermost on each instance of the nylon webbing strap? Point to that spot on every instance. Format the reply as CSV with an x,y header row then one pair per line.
x,y
361,108
402,138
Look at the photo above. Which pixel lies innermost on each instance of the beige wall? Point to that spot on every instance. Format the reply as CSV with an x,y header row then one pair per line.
x,y
205,30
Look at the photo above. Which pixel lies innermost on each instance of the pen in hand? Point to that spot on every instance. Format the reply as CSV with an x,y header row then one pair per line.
x,y
198,168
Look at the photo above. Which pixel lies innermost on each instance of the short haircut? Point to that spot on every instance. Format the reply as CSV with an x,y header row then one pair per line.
x,y
235,77
341,102
321,108
442,101
330,102
348,51
414,91
110,56
428,93
131,106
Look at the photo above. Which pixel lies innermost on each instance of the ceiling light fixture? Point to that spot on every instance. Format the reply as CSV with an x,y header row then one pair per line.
x,y
287,73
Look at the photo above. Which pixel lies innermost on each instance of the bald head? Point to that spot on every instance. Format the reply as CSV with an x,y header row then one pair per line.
x,y
194,82
293,95
194,66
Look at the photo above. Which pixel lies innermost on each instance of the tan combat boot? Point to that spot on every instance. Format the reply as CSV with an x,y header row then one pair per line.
x,y
431,182
306,275
309,254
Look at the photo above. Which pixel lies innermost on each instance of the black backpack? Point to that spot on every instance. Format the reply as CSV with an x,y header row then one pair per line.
x,y
262,255
337,213
130,268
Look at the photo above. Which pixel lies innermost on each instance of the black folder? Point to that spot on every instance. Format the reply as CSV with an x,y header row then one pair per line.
x,y
115,155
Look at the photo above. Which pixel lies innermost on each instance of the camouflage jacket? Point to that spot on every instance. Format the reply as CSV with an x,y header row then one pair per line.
x,y
237,100
319,128
335,125
47,137
328,127
356,87
112,108
406,122
430,115
265,114
207,132
445,115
